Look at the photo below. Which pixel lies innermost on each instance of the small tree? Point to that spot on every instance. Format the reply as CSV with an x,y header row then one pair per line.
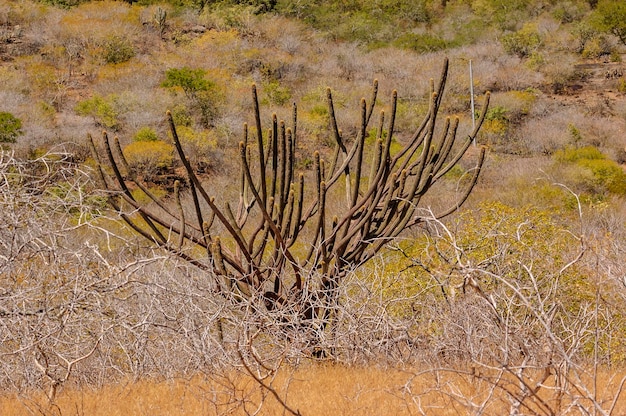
x,y
10,127
611,15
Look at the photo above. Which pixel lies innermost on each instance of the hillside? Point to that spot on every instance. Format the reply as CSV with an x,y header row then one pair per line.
x,y
67,72
311,286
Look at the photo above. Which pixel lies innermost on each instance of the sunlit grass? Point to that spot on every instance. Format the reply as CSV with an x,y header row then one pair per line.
x,y
321,390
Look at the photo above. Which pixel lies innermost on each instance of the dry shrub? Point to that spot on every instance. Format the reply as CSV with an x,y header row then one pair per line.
x,y
541,137
409,349
134,83
97,21
603,132
514,75
559,71
408,72
14,94
102,32
549,128
284,34
549,131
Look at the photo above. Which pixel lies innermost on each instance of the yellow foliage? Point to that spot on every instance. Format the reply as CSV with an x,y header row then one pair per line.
x,y
54,53
123,70
144,199
12,78
148,157
501,238
497,127
216,39
223,77
235,57
198,144
524,99
24,12
43,77
214,46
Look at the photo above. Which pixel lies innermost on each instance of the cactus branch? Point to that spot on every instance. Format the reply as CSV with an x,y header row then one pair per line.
x,y
286,240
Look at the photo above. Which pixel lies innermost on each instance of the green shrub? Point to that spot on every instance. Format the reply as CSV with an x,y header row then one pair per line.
x,y
276,93
101,109
65,3
610,16
145,134
360,26
10,127
202,93
523,42
421,43
498,113
583,32
615,55
595,174
575,155
372,23
575,134
596,47
181,116
496,121
117,49
191,81
607,173
503,14
568,11
535,61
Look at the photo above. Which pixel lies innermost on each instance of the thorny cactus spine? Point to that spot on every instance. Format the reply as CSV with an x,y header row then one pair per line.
x,y
257,248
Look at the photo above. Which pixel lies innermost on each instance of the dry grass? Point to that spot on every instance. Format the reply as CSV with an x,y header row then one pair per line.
x,y
313,390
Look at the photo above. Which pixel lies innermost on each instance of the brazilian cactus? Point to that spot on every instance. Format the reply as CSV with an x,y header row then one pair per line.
x,y
280,240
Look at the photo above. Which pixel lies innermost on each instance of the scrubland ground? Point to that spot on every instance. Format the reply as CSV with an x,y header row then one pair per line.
x,y
515,304
316,389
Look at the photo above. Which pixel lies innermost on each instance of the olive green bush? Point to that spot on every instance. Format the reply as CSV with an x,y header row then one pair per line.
x,y
610,16
117,49
10,127
145,134
102,109
592,172
202,94
522,42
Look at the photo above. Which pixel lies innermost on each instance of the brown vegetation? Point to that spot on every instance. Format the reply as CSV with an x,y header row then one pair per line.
x,y
513,304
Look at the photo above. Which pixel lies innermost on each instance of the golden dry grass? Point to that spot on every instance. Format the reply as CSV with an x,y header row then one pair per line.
x,y
314,390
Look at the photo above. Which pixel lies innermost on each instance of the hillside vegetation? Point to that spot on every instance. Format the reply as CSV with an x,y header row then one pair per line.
x,y
515,303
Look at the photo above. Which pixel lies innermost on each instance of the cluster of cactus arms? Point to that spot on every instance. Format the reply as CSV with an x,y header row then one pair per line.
x,y
281,239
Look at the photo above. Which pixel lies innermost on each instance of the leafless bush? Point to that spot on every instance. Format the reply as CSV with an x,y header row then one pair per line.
x,y
69,312
517,326
531,323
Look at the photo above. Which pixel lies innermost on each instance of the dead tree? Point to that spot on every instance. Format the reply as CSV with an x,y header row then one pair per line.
x,y
280,240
